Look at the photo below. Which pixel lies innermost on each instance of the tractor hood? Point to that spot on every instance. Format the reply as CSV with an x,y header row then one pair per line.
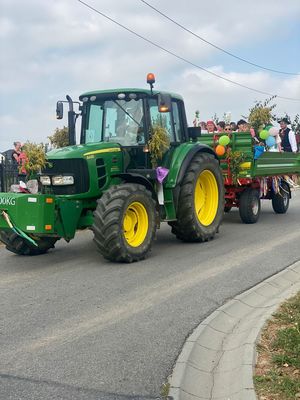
x,y
91,166
83,150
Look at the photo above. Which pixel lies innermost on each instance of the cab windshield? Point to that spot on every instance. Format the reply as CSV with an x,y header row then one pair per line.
x,y
118,121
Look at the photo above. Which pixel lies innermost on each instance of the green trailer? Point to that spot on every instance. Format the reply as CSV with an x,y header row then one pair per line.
x,y
109,183
268,176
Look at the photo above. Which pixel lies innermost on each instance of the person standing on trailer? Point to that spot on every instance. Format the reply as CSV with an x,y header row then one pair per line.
x,y
288,138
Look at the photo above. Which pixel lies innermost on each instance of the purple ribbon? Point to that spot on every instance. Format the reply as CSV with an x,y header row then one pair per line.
x,y
161,174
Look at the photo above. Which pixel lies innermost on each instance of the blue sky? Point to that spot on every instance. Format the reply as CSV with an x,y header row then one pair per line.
x,y
51,48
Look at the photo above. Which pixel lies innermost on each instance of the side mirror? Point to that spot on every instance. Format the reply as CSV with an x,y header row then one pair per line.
x,y
59,110
194,132
164,102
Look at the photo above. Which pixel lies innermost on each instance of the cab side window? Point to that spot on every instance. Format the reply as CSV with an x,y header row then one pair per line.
x,y
94,132
163,119
177,124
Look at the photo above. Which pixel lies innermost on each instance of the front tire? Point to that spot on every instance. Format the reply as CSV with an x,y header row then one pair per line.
x,y
281,200
201,200
125,223
16,244
249,207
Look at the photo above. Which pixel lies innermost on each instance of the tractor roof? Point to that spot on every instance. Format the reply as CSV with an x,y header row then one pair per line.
x,y
129,90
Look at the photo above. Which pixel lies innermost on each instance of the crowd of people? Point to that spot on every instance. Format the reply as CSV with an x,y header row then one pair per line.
x,y
285,138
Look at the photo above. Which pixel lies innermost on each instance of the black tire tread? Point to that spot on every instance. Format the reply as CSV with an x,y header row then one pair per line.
x,y
245,206
16,244
187,228
278,201
107,229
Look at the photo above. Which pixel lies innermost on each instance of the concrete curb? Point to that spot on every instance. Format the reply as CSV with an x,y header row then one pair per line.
x,y
217,360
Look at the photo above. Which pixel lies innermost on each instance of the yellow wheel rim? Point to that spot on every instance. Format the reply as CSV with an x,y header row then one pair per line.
x,y
206,197
135,224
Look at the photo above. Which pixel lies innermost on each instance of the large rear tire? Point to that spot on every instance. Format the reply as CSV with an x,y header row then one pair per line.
x,y
281,200
201,200
16,244
125,223
249,207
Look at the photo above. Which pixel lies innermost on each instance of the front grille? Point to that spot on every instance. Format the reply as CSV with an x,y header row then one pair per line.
x,y
101,172
76,167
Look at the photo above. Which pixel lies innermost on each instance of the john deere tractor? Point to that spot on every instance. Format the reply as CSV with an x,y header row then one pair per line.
x,y
113,184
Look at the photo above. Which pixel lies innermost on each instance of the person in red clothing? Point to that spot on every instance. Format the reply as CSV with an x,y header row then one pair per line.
x,y
211,127
22,161
19,159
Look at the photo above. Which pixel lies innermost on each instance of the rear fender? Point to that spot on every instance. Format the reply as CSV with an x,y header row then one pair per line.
x,y
181,159
201,148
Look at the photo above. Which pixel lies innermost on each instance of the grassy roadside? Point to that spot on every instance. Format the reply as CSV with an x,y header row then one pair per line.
x,y
277,373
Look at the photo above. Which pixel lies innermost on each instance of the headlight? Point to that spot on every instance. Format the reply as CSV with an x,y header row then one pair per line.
x,y
45,180
62,180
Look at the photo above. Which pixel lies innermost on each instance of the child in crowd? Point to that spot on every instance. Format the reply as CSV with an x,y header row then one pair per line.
x,y
221,126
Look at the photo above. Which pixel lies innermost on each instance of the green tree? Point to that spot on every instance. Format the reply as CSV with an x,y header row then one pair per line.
x,y
215,118
261,114
158,143
34,158
60,138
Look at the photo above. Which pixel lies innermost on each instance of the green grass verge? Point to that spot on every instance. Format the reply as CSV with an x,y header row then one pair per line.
x,y
278,366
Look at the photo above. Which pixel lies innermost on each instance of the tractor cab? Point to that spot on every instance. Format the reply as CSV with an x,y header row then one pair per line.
x,y
126,117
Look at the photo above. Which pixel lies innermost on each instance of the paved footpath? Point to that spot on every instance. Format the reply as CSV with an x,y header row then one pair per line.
x,y
218,359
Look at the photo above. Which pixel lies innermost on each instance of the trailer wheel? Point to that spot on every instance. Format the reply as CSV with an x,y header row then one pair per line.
x,y
201,201
20,246
249,206
281,200
125,223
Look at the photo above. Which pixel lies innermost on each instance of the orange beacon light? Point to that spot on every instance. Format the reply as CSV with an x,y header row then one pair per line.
x,y
151,80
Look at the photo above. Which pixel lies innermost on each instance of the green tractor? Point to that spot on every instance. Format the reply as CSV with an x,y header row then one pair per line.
x,y
111,184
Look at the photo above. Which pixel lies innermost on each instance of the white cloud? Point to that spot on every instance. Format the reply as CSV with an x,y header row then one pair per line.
x,y
203,92
56,47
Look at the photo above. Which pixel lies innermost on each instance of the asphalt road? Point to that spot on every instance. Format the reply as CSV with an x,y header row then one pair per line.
x,y
73,326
